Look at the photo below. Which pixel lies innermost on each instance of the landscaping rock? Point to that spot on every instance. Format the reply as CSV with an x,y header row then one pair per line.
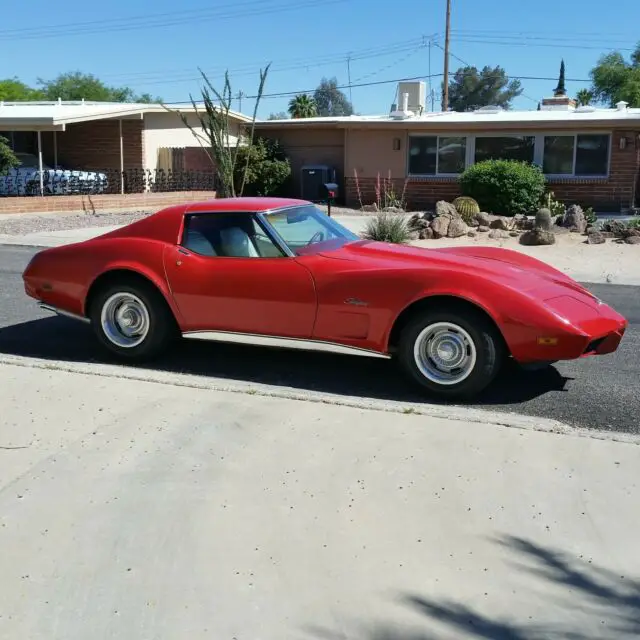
x,y
444,208
474,223
560,230
414,235
574,219
440,226
498,234
457,228
483,228
394,210
426,234
632,239
596,237
369,208
537,237
514,233
471,233
501,223
484,219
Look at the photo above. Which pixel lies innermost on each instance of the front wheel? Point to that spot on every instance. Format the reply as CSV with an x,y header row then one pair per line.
x,y
451,354
132,320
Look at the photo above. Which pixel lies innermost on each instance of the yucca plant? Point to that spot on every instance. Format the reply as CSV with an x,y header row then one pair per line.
x,y
387,228
467,207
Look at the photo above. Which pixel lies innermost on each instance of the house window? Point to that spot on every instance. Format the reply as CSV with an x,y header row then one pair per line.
x,y
576,155
437,155
505,148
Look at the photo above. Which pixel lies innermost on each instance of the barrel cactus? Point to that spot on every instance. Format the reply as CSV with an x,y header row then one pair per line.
x,y
543,219
466,207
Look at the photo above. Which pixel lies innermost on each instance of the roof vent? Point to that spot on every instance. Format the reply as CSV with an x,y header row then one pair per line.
x,y
622,105
490,108
403,113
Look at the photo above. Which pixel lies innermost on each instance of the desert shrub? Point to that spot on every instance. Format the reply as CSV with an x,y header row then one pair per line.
x,y
387,228
268,171
590,216
504,187
467,207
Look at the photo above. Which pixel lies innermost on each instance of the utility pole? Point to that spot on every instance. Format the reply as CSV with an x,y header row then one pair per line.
x,y
430,76
240,96
349,77
445,93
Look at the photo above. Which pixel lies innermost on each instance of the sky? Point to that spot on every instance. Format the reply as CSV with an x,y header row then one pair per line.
x,y
370,44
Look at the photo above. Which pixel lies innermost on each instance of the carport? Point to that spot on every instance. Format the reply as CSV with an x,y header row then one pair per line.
x,y
55,117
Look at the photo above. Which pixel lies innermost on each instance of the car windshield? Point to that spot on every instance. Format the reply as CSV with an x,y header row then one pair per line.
x,y
306,229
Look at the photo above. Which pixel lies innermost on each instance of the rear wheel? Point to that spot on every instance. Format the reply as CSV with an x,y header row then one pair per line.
x,y
451,353
132,320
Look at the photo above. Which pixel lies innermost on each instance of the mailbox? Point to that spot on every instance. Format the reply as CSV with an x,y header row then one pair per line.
x,y
329,191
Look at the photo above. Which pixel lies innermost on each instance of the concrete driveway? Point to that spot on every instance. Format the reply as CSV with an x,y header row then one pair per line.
x,y
144,510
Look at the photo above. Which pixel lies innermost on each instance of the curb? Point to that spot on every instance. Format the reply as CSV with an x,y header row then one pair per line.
x,y
453,413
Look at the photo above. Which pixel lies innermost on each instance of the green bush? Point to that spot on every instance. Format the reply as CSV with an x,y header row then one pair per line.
x,y
269,169
387,228
7,157
504,187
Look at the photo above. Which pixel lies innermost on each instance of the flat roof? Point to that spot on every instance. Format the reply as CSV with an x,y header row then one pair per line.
x,y
55,115
455,119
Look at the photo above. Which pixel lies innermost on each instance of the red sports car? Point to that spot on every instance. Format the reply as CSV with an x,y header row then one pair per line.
x,y
280,272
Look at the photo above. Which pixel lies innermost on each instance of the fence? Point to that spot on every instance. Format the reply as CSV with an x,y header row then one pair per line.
x,y
27,182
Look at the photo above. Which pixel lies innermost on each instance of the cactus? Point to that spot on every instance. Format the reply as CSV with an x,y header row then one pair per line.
x,y
543,220
466,207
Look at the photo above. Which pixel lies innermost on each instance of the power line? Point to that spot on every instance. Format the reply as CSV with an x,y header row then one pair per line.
x,y
142,23
287,94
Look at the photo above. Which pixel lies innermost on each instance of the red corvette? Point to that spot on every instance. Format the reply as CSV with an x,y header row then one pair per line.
x,y
280,272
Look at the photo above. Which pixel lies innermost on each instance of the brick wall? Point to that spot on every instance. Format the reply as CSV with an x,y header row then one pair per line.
x,y
92,146
611,194
99,203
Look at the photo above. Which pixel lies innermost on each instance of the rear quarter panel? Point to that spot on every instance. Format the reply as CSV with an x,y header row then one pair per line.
x,y
71,270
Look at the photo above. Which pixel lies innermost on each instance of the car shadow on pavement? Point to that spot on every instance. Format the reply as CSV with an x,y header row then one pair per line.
x,y
573,598
59,338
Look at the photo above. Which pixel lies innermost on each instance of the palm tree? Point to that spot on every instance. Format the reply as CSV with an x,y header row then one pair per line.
x,y
584,97
302,106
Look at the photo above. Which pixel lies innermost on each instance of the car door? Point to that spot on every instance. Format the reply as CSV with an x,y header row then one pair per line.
x,y
227,274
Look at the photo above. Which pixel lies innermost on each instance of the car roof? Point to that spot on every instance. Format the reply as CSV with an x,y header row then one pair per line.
x,y
244,204
165,225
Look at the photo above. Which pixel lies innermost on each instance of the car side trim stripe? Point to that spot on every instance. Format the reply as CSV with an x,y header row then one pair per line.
x,y
284,343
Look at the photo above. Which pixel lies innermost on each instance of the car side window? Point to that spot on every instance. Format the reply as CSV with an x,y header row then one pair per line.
x,y
227,235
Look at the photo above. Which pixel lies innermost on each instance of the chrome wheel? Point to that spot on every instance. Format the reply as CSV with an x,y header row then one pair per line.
x,y
125,320
445,353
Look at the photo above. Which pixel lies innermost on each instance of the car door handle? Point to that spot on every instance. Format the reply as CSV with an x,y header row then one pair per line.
x,y
184,252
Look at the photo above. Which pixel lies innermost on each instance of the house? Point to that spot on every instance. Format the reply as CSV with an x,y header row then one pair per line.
x,y
140,147
590,155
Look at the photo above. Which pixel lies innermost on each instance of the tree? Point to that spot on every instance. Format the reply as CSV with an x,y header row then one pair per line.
x,y
8,159
281,115
330,101
75,85
584,97
13,90
470,89
303,106
268,169
561,90
614,79
216,140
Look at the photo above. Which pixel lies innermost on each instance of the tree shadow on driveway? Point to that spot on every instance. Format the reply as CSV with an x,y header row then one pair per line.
x,y
59,338
579,599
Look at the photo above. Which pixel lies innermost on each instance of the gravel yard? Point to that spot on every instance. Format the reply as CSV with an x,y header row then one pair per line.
x,y
20,224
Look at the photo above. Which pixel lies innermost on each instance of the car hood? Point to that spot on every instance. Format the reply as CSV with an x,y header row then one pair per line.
x,y
516,269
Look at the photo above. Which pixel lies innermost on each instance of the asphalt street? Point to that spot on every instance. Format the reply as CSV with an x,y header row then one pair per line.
x,y
596,393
